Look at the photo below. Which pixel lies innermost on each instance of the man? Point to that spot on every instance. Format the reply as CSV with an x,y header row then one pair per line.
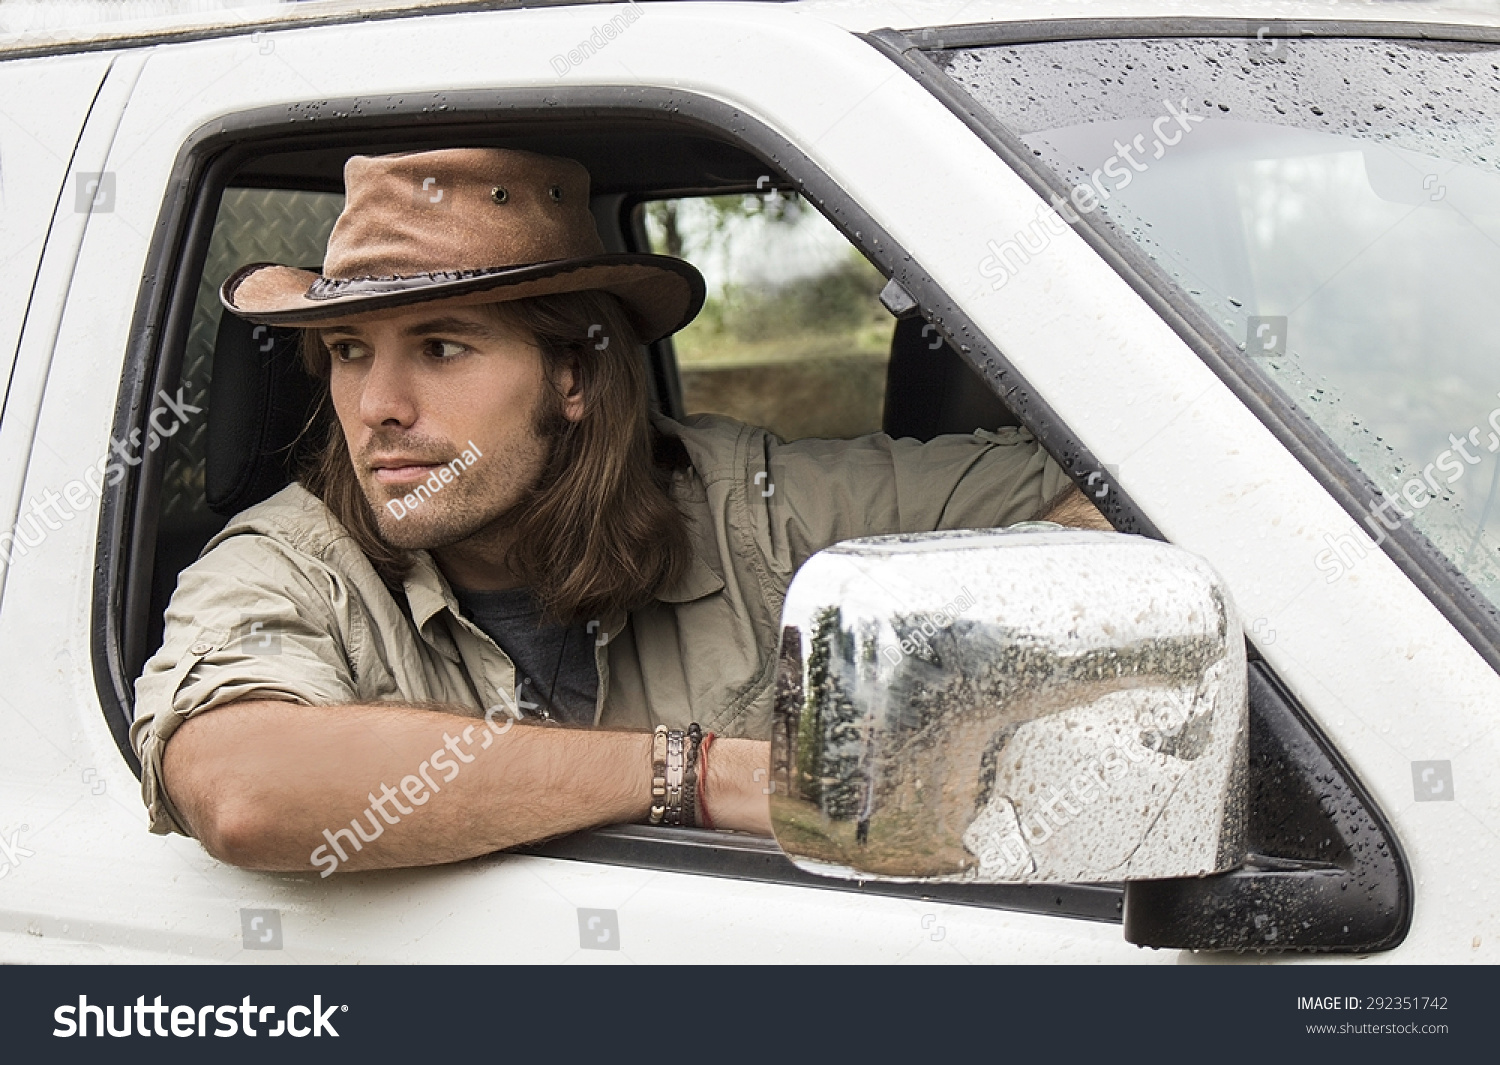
x,y
498,533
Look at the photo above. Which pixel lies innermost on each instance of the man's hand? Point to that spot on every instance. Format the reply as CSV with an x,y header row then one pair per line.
x,y
1073,508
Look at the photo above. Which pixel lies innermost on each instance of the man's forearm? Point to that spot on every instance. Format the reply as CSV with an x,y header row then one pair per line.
x,y
263,784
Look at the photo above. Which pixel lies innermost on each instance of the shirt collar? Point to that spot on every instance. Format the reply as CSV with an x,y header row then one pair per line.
x,y
428,594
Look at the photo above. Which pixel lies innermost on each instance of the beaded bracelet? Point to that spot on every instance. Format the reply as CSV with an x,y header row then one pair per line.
x,y
690,781
674,775
658,774
676,770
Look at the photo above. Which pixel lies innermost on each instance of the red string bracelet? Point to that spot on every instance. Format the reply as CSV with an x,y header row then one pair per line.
x,y
703,819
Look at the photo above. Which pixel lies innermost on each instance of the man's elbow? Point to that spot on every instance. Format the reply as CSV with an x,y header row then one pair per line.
x,y
239,826
242,834
224,788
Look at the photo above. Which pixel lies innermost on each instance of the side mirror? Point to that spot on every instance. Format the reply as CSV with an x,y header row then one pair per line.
x,y
1037,705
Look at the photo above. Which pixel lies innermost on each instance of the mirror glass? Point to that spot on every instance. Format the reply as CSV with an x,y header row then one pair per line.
x,y
1029,705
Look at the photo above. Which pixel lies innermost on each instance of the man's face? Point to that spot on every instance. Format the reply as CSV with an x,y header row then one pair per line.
x,y
416,389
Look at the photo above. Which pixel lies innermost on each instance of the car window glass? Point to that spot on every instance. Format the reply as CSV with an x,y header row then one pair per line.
x,y
1334,205
793,336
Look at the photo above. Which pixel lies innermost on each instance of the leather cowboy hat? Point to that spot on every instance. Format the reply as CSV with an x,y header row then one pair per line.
x,y
465,226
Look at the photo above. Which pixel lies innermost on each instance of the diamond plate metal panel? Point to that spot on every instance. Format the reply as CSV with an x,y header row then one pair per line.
x,y
253,225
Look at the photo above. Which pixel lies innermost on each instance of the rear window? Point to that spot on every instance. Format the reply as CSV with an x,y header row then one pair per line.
x,y
792,336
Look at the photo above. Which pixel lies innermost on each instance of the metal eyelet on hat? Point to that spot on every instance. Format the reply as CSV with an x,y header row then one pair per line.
x,y
555,191
499,194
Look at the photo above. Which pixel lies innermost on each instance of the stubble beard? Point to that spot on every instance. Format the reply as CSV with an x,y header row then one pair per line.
x,y
484,505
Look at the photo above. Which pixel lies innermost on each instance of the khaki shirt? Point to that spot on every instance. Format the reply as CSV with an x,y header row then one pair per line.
x,y
282,604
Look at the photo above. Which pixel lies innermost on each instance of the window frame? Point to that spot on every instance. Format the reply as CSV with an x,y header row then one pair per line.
x,y
1470,612
667,375
157,341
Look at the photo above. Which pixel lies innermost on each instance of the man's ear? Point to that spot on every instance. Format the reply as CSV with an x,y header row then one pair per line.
x,y
570,388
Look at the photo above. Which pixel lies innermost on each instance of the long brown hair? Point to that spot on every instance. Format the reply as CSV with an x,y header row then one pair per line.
x,y
599,532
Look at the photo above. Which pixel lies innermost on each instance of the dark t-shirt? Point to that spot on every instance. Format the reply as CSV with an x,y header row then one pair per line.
x,y
555,661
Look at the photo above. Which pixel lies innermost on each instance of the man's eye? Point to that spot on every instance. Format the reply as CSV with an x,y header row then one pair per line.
x,y
443,349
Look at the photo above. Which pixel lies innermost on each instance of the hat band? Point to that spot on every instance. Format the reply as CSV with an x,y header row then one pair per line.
x,y
332,288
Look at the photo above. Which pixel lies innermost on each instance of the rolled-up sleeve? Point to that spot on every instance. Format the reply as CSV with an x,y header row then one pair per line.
x,y
251,618
831,490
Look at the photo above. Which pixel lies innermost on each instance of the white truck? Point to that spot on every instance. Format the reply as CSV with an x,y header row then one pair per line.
x,y
1233,270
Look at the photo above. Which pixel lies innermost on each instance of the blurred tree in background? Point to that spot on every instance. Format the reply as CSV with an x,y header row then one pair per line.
x,y
792,336
831,311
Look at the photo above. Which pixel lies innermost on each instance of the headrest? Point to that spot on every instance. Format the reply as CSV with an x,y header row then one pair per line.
x,y
259,400
930,390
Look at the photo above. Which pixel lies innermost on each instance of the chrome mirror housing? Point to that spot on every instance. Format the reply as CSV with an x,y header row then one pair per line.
x,y
1035,705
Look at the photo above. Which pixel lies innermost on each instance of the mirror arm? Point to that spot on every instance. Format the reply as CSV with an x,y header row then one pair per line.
x,y
1325,873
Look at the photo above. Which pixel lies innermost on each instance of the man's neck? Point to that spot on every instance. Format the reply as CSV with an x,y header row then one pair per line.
x,y
478,564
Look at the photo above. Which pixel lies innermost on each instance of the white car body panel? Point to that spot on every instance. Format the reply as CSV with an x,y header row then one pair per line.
x,y
1382,671
55,274
103,23
36,156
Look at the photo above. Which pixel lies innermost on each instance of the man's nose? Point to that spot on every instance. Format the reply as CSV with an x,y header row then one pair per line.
x,y
386,395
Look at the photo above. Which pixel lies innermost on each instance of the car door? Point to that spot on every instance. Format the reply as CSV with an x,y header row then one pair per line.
x,y
827,108
624,894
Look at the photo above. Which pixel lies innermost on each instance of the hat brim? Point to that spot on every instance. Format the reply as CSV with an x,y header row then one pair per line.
x,y
661,293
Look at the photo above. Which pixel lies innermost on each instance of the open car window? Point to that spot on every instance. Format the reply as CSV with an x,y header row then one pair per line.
x,y
795,338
